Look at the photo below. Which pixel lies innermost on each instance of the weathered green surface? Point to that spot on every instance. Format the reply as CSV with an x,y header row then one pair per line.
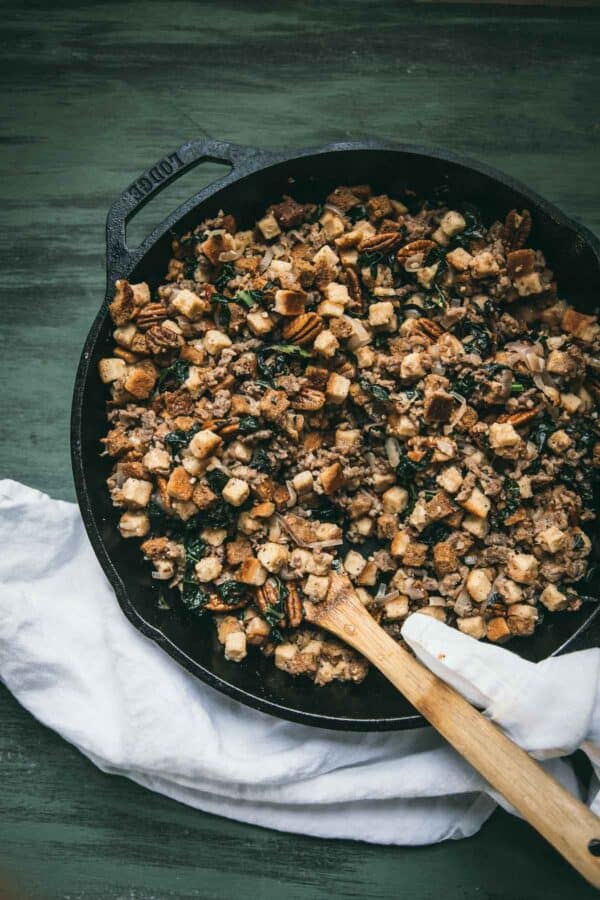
x,y
93,94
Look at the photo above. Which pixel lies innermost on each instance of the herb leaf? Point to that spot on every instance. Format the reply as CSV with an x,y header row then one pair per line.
x,y
177,373
226,274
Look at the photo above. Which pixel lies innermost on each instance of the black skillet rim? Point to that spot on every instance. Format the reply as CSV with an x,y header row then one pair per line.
x,y
246,162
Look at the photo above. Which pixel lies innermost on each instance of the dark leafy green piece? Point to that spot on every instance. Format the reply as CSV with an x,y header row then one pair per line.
x,y
434,533
357,213
378,393
261,461
275,359
226,274
276,611
249,424
222,311
249,298
175,374
232,591
217,479
465,385
512,499
177,440
193,595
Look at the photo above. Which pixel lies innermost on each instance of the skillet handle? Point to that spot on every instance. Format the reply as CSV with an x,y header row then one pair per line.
x,y
119,258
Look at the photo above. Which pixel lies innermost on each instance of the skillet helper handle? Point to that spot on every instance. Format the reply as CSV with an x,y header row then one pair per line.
x,y
564,821
119,258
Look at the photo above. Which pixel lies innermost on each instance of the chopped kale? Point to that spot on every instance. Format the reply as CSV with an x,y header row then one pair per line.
x,y
474,230
232,591
465,385
217,479
542,432
177,440
219,515
193,596
512,499
275,612
226,274
357,213
275,360
481,340
175,374
261,461
249,424
378,394
370,259
434,533
222,311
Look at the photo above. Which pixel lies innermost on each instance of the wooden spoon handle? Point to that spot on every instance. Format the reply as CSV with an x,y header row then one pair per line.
x,y
555,813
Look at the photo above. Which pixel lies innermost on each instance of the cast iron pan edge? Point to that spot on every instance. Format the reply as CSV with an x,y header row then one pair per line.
x,y
121,262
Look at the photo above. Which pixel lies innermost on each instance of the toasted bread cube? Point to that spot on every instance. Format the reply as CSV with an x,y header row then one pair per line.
x,y
426,275
113,369
402,426
439,507
364,526
179,485
273,556
185,509
553,599
445,559
503,435
333,225
498,630
365,357
263,510
247,524
237,551
559,441
478,585
268,226
584,327
459,259
399,543
477,504
332,478
157,461
552,539
412,366
329,310
440,237
325,258
571,403
393,610
134,524
124,335
450,479
259,322
215,341
326,344
214,537
236,491
484,265
241,452
227,625
522,567
509,590
474,626
395,500
525,490
347,440
337,388
303,482
140,380
252,572
453,223
369,574
136,493
290,303
284,654
354,563
337,293
204,444
522,619
415,554
382,315
418,517
257,631
235,646
434,612
203,497
316,587
475,525
208,569
189,305
361,336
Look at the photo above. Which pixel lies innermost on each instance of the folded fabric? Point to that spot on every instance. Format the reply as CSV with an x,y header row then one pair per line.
x,y
71,658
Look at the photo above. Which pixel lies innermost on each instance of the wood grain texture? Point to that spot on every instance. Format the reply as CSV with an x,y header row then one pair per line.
x,y
95,92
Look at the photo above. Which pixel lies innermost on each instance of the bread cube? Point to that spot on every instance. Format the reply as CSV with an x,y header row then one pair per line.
x,y
247,524
112,369
329,310
453,223
399,543
361,335
382,480
252,572
439,507
365,357
235,646
332,478
395,500
552,539
354,563
396,609
263,510
179,485
522,619
336,293
477,504
136,493
559,441
503,435
415,554
325,258
333,225
474,626
450,479
290,303
241,452
522,567
402,426
284,654
124,335
498,630
214,537
273,556
412,366
189,304
326,344
369,574
571,403
316,587
509,590
475,525
525,490
204,444
157,461
337,388
459,259
364,526
303,481
434,612
134,524
484,265
478,585
347,440
140,380
208,569
445,559
257,631
268,227
215,341
553,599
382,315
236,491
259,323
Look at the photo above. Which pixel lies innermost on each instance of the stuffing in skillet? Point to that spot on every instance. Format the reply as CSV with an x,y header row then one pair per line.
x,y
396,393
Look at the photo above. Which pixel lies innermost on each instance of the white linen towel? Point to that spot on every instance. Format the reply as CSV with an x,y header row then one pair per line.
x,y
71,658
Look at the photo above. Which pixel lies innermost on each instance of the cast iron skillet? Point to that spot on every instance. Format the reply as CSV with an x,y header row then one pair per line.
x,y
257,178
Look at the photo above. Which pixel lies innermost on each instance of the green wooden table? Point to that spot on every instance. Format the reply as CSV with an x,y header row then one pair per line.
x,y
93,94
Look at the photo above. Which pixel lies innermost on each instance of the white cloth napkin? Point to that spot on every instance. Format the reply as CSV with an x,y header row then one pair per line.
x,y
74,661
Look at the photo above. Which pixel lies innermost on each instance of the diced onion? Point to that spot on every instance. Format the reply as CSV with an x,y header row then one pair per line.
x,y
266,260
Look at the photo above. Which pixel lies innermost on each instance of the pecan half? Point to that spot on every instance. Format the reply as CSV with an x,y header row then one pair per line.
x,y
430,328
520,262
308,399
382,243
353,285
267,597
516,229
149,315
162,341
303,329
413,248
217,605
293,607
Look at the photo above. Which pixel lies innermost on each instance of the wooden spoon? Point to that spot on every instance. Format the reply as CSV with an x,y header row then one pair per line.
x,y
565,822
